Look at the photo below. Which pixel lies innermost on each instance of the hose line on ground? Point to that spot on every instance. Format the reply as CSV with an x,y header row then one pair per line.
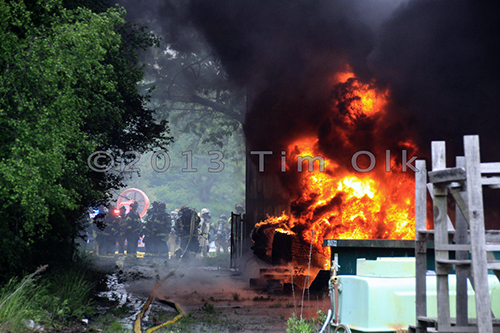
x,y
153,295
170,322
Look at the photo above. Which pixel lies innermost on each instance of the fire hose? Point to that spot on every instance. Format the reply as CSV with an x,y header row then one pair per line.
x,y
333,285
154,295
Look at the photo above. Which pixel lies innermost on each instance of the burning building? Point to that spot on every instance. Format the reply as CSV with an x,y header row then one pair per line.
x,y
358,88
336,186
353,90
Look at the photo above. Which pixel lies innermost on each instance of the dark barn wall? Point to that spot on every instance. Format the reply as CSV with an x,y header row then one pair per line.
x,y
264,196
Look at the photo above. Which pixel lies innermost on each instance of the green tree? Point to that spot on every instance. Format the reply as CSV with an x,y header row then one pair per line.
x,y
205,111
67,88
187,75
194,176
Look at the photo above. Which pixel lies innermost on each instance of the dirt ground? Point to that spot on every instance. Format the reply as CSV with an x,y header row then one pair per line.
x,y
214,297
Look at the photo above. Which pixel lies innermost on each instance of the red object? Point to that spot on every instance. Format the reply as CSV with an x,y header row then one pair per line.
x,y
130,195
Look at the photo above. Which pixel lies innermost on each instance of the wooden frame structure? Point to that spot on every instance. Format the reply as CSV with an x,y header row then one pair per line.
x,y
470,241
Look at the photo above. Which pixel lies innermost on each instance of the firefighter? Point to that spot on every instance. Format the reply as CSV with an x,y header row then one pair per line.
x,y
172,238
186,225
133,228
204,231
119,227
158,225
222,236
104,222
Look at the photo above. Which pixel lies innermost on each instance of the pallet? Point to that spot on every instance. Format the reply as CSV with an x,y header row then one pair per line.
x,y
468,239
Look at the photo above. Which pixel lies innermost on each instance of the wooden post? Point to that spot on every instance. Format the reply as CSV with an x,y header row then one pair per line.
x,y
461,237
441,235
477,233
420,243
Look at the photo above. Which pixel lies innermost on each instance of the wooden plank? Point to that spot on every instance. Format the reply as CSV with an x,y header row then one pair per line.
x,y
449,262
490,181
490,167
493,236
461,240
492,247
420,251
494,266
433,320
477,237
447,175
441,234
452,247
457,329
420,195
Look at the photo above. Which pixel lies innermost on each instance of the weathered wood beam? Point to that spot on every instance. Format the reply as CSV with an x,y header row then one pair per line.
x,y
438,149
461,240
420,242
447,175
477,237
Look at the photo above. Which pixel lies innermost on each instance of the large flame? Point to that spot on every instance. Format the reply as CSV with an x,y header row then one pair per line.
x,y
342,203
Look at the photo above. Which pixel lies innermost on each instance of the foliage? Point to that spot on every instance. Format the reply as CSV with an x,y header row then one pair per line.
x,y
18,307
188,77
50,301
205,110
67,88
296,325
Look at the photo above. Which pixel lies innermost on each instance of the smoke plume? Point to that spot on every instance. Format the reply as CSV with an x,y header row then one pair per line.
x,y
437,58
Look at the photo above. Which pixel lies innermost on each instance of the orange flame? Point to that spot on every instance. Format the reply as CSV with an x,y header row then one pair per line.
x,y
345,204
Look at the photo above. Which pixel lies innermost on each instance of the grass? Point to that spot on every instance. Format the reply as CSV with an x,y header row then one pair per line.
x,y
18,307
300,325
50,301
55,299
114,326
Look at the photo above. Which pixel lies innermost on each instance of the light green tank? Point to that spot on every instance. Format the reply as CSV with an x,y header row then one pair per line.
x,y
381,297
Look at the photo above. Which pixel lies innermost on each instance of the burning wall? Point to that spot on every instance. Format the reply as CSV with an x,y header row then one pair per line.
x,y
422,69
337,193
312,94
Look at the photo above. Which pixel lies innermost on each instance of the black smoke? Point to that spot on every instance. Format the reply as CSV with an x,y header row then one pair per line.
x,y
284,52
438,59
